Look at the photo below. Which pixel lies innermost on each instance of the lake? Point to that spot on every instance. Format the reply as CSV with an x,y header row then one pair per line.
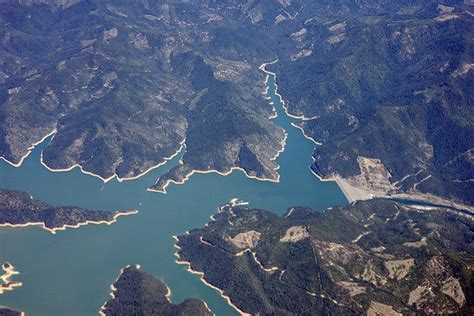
x,y
71,272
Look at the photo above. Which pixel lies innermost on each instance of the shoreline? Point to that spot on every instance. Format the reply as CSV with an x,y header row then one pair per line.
x,y
113,288
306,136
29,149
203,280
207,307
282,148
344,187
105,180
7,284
283,103
168,293
66,226
226,173
353,193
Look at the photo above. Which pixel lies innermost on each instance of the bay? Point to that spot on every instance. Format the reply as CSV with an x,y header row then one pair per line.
x,y
70,273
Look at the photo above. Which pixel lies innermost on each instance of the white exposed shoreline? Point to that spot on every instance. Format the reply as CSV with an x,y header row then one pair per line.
x,y
285,107
64,227
168,293
113,289
350,194
105,180
188,176
30,149
226,173
166,159
304,134
203,280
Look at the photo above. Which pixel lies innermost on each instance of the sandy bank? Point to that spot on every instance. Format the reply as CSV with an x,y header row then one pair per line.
x,y
105,180
7,284
30,149
188,176
226,173
64,227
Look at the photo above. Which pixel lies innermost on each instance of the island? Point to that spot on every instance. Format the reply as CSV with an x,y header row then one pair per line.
x,y
373,257
19,209
139,293
7,283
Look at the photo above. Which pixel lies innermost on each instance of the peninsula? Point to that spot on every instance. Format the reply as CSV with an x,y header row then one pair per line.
x,y
139,293
19,209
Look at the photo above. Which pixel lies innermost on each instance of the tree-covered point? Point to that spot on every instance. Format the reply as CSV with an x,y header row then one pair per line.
x,y
374,257
18,208
139,293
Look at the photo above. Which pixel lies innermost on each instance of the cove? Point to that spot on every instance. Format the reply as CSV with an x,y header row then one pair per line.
x,y
71,272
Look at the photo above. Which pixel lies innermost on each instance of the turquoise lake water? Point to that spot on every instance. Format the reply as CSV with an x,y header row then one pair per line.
x,y
70,273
